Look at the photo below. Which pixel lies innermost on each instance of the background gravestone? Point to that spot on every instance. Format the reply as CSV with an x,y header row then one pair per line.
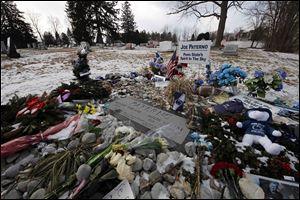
x,y
11,49
34,45
42,46
28,46
85,45
3,48
230,50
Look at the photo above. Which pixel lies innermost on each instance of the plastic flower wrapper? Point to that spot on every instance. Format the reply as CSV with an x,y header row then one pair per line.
x,y
229,174
164,160
146,143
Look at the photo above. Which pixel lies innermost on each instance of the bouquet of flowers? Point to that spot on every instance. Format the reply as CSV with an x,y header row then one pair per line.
x,y
87,109
258,85
229,174
227,76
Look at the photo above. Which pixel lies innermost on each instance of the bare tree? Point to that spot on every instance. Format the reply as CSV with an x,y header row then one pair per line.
x,y
257,23
280,24
34,20
203,9
55,23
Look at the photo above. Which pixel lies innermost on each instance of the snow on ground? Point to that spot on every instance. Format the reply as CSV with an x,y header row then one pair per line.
x,y
43,70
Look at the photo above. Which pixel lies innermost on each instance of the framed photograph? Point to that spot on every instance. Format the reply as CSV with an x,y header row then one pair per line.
x,y
276,189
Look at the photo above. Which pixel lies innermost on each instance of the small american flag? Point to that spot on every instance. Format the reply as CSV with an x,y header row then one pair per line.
x,y
172,65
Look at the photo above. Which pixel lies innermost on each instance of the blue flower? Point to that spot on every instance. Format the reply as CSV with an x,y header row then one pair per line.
x,y
279,87
282,74
199,82
258,74
225,66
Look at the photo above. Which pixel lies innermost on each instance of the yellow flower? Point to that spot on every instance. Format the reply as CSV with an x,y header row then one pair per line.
x,y
163,142
86,109
78,106
117,147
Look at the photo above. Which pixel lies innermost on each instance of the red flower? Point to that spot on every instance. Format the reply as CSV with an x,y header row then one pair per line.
x,y
286,166
39,105
31,102
231,121
224,165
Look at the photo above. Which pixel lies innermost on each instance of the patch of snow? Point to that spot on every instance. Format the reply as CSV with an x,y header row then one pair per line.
x,y
43,70
224,124
263,159
238,160
293,159
257,151
247,169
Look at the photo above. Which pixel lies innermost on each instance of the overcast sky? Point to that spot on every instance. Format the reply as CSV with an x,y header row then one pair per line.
x,y
149,16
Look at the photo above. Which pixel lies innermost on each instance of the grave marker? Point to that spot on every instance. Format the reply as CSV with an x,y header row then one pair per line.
x,y
231,50
146,117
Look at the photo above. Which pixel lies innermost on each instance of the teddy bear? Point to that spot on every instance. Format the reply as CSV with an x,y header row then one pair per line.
x,y
257,130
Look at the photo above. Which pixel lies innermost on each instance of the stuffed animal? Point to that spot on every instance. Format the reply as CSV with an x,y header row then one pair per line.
x,y
257,130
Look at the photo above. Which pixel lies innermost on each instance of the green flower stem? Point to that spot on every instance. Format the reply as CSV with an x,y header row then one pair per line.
x,y
97,158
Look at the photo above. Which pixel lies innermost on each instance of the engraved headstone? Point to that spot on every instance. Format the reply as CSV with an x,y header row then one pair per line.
x,y
145,117
34,45
231,50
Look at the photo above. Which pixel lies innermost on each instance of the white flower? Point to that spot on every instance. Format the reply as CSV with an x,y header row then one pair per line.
x,y
268,79
115,158
130,159
124,171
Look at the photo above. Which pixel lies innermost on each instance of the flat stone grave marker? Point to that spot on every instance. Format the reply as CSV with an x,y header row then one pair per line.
x,y
230,50
145,117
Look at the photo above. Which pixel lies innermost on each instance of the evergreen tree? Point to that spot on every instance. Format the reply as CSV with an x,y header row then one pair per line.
x,y
48,38
143,37
193,37
127,23
14,26
80,15
105,18
70,35
169,36
174,38
64,39
91,18
57,39
127,18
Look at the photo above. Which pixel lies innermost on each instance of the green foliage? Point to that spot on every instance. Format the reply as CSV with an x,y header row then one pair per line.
x,y
92,89
30,124
90,17
127,18
13,25
258,85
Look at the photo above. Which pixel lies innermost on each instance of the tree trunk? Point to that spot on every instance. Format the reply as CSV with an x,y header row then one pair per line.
x,y
252,44
42,39
222,22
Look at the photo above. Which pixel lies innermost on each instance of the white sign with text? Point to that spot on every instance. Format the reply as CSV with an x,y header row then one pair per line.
x,y
194,52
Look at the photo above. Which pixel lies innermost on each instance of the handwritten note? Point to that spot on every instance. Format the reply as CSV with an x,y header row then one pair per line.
x,y
146,117
122,191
